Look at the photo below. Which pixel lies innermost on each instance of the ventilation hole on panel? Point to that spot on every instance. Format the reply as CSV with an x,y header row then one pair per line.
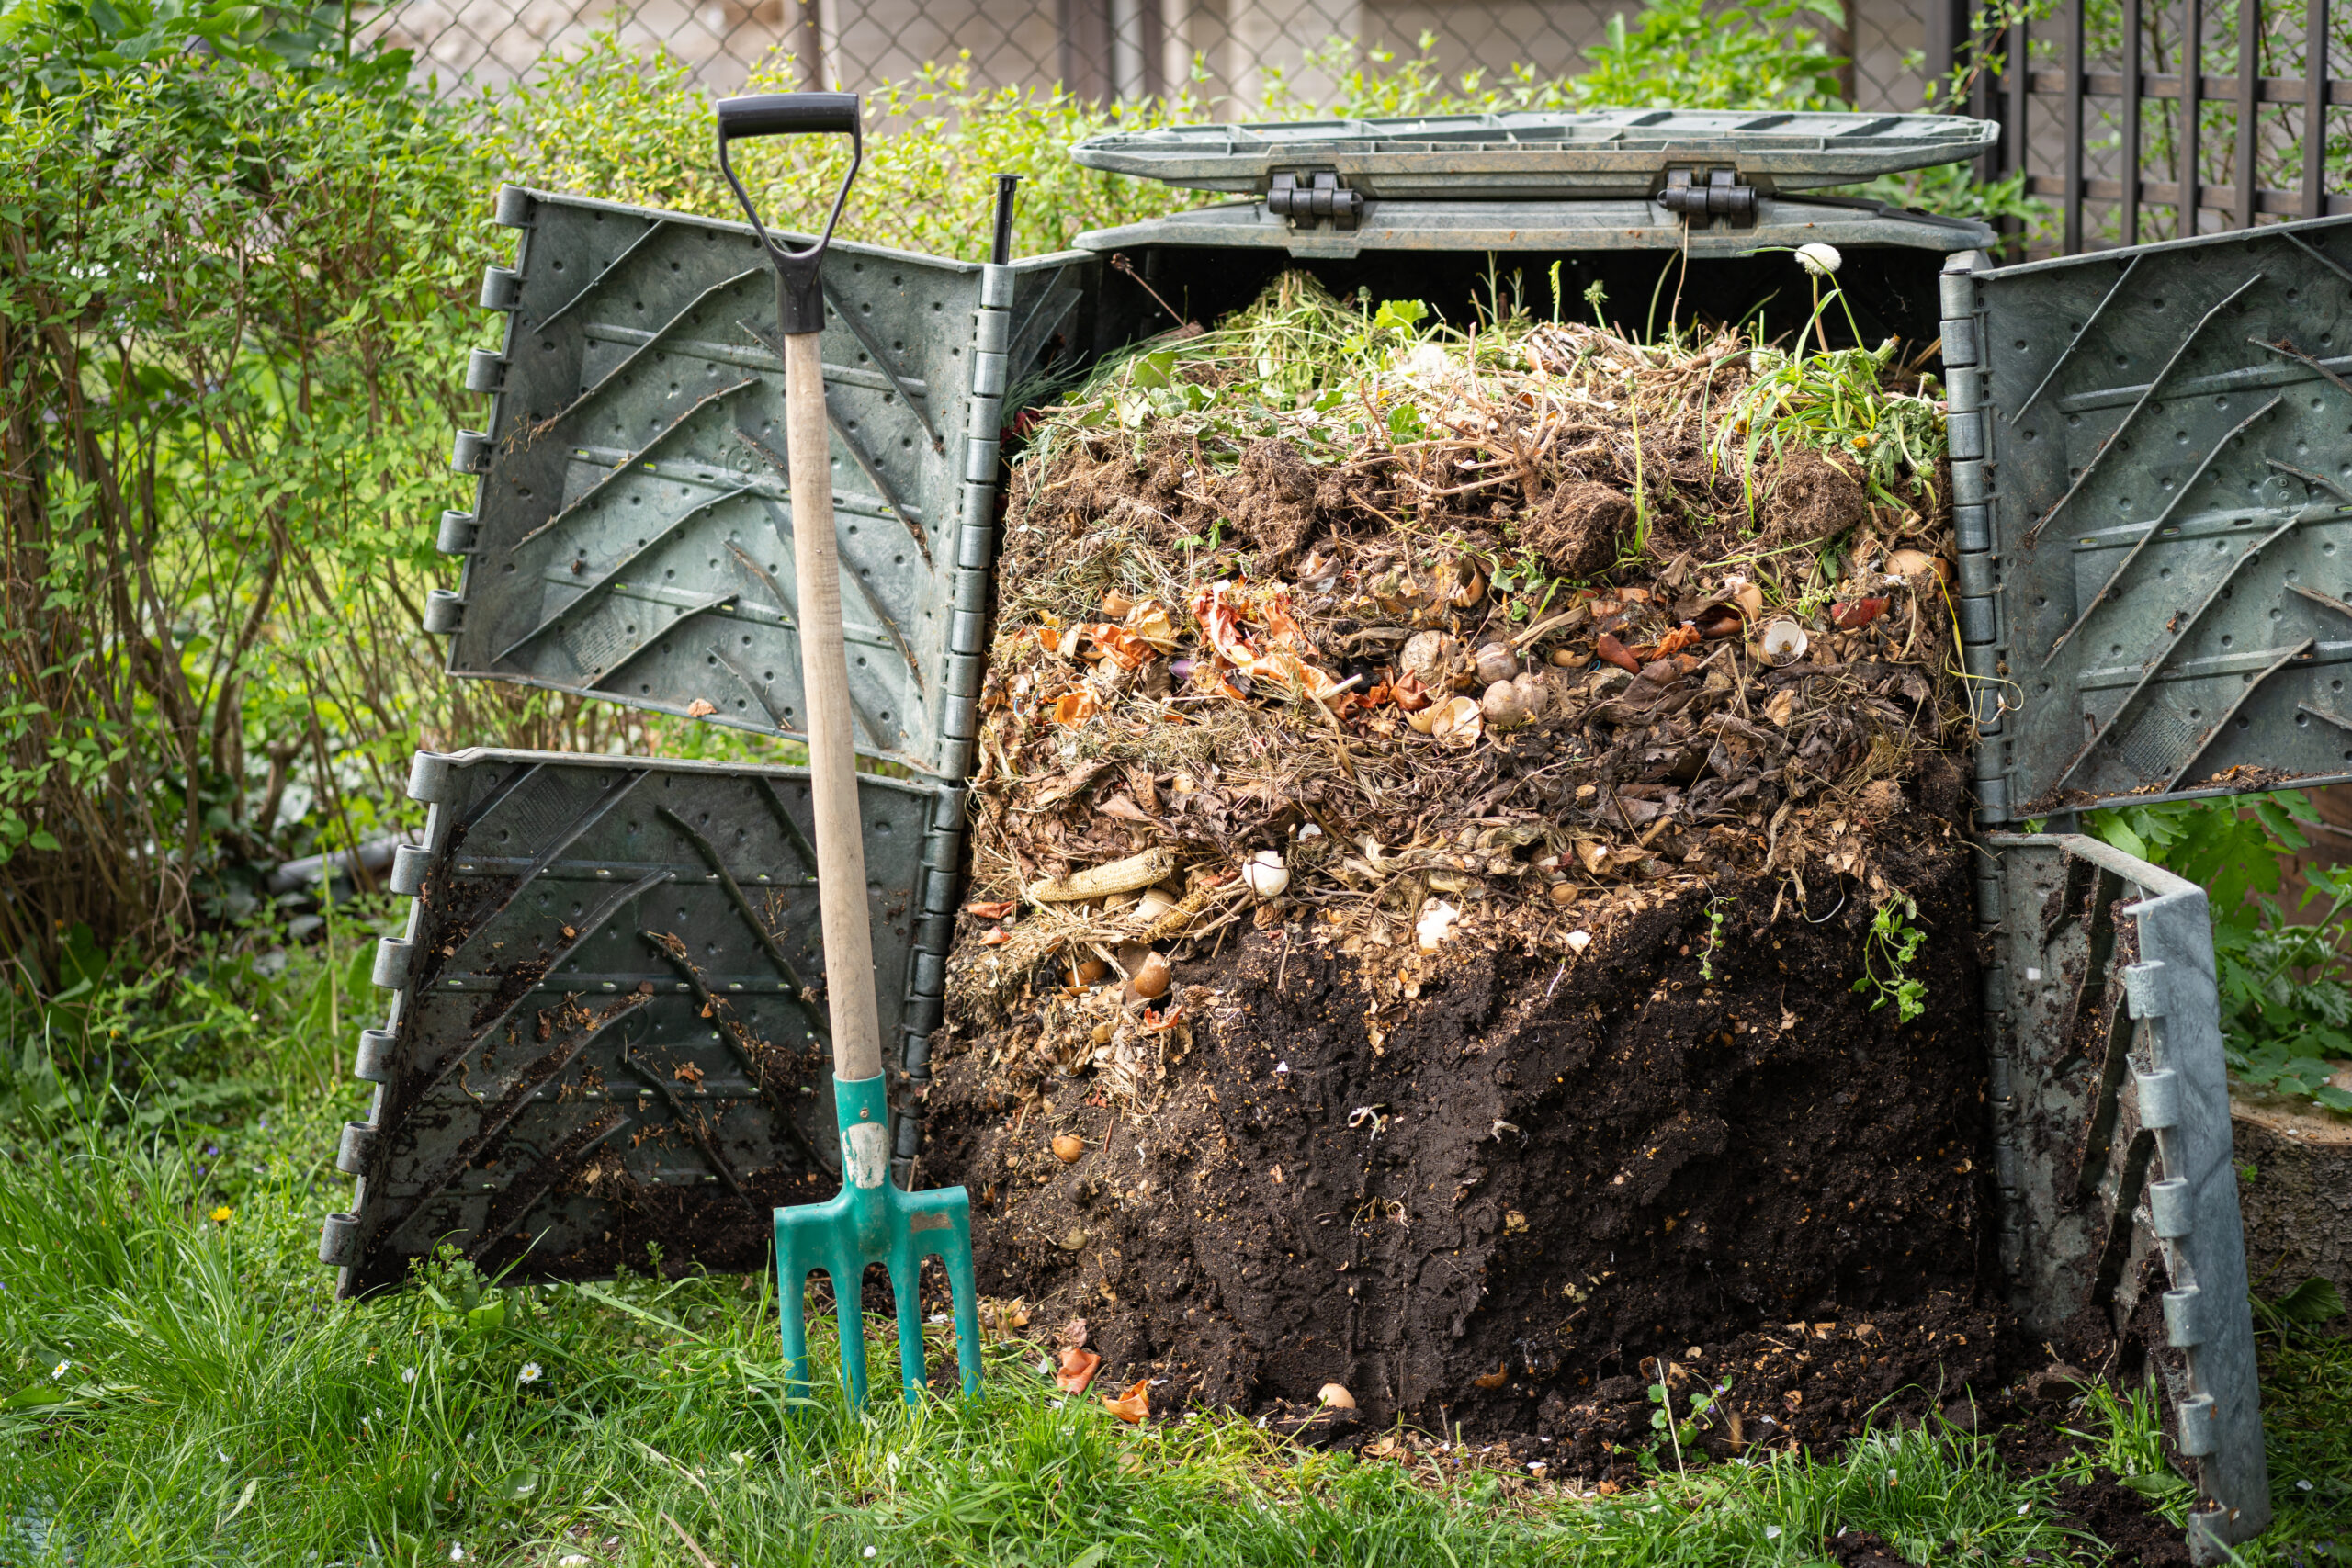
x,y
857,266
2220,402
2163,572
2114,648
2195,714
640,304
2302,721
2122,360
2020,345
710,658
2074,421
504,834
767,674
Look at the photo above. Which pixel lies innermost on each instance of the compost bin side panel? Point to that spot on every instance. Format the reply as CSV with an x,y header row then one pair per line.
x,y
630,539
2115,1151
609,1028
2171,515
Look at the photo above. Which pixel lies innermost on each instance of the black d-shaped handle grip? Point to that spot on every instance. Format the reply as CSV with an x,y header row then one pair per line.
x,y
799,294
786,114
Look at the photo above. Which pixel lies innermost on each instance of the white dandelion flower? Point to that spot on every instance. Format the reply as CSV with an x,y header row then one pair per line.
x,y
530,1372
457,1552
1819,259
868,1552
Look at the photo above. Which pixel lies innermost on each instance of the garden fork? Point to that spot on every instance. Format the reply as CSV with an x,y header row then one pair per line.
x,y
870,1219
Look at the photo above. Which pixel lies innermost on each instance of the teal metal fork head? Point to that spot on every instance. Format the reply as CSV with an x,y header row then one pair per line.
x,y
871,1221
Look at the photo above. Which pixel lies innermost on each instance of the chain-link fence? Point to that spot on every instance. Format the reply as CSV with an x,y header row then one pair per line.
x,y
1123,49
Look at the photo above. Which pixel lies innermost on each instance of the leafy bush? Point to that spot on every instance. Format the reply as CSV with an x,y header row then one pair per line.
x,y
2285,1004
226,302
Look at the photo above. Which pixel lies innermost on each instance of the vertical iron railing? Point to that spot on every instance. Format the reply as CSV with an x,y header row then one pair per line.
x,y
2119,173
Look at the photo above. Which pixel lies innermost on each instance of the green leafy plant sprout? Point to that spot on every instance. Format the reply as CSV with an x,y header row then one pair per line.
x,y
1696,1415
1892,944
1717,909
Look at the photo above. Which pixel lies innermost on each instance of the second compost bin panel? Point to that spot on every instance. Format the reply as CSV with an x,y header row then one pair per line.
x,y
631,540
2151,461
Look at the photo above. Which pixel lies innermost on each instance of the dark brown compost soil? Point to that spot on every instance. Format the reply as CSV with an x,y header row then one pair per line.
x,y
1488,1196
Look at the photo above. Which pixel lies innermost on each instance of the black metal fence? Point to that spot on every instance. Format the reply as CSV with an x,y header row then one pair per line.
x,y
2149,119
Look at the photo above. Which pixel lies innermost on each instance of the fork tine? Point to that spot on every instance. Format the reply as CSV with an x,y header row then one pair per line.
x,y
905,1277
966,1307
849,1319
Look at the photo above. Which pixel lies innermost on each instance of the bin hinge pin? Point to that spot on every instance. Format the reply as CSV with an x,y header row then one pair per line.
x,y
1723,196
1310,197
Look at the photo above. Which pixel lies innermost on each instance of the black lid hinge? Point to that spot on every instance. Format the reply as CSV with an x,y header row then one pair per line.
x,y
1320,199
1723,196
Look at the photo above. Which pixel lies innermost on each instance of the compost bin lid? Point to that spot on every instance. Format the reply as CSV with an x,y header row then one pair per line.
x,y
1600,153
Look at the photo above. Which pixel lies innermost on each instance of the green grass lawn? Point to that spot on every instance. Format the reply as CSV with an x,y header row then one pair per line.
x,y
183,1388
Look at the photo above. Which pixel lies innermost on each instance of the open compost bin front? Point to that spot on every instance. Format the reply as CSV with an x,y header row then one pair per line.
x,y
1469,898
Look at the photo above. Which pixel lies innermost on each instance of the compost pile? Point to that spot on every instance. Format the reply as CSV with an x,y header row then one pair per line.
x,y
1467,902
